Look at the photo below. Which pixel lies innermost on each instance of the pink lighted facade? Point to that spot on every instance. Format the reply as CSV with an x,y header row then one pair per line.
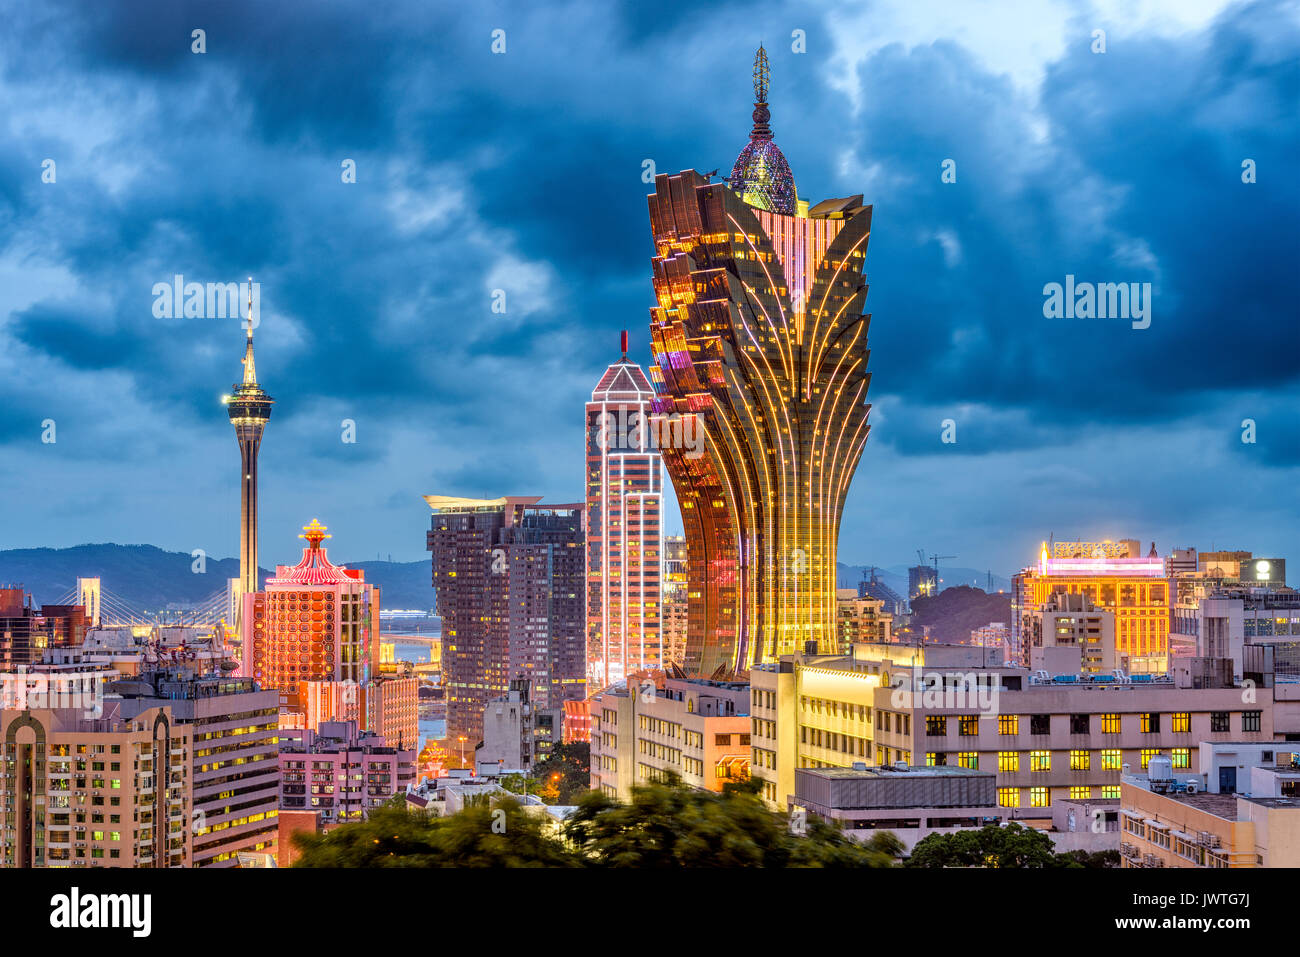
x,y
313,622
624,527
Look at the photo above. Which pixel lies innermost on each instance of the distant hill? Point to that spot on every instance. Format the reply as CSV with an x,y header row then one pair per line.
x,y
955,612
151,578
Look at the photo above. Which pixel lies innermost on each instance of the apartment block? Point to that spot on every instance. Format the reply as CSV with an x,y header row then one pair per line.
x,y
106,791
341,772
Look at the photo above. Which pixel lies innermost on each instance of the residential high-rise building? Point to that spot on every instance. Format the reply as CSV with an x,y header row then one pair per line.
x,y
624,527
760,355
675,608
392,705
862,619
95,791
234,776
313,622
250,409
510,577
1116,578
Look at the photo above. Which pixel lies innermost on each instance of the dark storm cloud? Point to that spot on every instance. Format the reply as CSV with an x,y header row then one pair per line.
x,y
524,171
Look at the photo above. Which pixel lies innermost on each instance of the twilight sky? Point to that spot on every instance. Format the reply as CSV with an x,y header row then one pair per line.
x,y
522,171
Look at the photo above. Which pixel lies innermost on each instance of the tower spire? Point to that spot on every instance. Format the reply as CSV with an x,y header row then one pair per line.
x,y
762,76
250,370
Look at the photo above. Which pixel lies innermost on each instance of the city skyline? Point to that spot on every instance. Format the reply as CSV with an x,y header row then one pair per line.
x,y
1129,438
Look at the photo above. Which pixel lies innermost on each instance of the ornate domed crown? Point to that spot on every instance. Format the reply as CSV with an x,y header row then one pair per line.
x,y
761,174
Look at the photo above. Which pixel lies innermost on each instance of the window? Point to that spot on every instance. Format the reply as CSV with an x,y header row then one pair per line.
x,y
1008,797
1151,723
1110,724
968,725
1080,760
1040,761
1182,722
1219,721
1040,724
1038,797
722,740
969,760
1081,793
1008,724
936,727
935,759
1112,760
1110,791
1250,720
1009,761
1182,757
1147,755
1080,724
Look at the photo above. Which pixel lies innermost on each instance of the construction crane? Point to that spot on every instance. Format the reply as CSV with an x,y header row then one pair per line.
x,y
935,559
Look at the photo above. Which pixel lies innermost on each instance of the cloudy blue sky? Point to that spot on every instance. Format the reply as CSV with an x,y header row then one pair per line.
x,y
522,171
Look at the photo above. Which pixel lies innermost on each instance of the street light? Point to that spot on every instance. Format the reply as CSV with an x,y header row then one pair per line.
x,y
461,739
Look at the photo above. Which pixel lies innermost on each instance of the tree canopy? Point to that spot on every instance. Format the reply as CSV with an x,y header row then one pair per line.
x,y
664,825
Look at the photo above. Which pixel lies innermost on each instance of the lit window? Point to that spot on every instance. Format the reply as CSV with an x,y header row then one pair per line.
x,y
1008,797
1080,760
1038,797
1008,760
1040,761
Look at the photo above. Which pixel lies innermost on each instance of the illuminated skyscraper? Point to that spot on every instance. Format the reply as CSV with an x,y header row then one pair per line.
x,y
624,516
510,581
760,343
250,408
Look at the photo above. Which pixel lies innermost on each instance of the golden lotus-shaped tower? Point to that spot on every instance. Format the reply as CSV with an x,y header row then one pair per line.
x,y
760,358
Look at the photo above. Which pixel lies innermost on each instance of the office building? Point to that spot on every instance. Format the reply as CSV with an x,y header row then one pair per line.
x,y
510,576
760,354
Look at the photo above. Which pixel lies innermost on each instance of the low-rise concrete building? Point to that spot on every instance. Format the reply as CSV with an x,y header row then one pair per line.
x,y
693,729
